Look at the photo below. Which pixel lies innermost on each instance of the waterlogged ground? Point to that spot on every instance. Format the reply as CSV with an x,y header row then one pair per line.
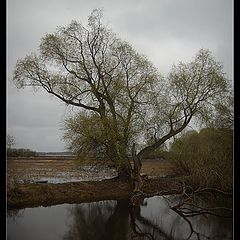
x,y
70,170
56,171
97,210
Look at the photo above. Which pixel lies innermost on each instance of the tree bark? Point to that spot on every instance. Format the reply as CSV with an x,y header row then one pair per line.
x,y
136,176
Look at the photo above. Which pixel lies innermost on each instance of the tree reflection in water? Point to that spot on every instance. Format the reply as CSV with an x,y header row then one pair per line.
x,y
110,220
99,220
189,225
118,220
15,214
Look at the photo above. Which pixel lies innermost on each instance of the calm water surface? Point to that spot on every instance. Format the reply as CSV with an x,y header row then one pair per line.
x,y
112,220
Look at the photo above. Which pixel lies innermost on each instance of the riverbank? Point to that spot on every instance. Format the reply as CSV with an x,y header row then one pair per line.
x,y
46,194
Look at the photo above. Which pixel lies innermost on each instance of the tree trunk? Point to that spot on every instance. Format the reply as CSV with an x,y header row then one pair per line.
x,y
136,176
124,174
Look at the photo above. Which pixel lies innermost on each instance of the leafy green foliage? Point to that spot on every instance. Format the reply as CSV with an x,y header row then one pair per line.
x,y
206,156
84,135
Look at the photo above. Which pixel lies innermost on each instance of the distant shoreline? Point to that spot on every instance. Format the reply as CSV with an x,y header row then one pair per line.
x,y
45,157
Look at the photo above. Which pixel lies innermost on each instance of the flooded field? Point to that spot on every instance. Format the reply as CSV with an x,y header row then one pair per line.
x,y
113,220
56,171
70,170
109,219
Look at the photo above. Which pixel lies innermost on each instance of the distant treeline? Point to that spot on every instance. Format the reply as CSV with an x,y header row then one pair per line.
x,y
21,152
55,153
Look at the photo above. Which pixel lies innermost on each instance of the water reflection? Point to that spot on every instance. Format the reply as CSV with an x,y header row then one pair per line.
x,y
115,220
102,220
176,227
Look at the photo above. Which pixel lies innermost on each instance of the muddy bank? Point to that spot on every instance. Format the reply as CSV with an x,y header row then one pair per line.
x,y
46,194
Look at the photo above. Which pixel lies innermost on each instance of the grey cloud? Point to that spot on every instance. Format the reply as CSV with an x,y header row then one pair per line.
x,y
44,139
182,17
34,119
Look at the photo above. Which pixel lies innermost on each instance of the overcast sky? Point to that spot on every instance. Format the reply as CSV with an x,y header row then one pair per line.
x,y
166,31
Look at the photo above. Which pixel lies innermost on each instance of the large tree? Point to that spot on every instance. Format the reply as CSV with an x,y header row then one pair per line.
x,y
120,93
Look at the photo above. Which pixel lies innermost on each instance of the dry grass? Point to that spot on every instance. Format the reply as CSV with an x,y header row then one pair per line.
x,y
30,170
157,168
25,169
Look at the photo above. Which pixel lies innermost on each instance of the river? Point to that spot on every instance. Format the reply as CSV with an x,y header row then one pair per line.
x,y
113,220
